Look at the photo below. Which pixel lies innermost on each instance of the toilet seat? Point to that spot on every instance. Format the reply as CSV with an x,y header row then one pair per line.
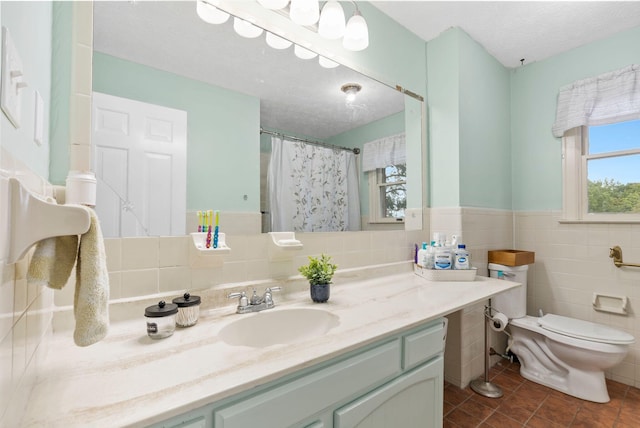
x,y
584,330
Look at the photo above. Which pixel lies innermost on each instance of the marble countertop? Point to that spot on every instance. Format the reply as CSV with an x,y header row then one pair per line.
x,y
129,379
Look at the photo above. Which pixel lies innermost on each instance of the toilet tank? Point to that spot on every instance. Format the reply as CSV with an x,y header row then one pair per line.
x,y
512,303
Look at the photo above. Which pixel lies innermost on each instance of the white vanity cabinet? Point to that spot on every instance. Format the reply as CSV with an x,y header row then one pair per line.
x,y
396,382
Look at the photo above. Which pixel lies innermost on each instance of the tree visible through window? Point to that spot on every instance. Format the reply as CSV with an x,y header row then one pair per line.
x,y
388,196
611,154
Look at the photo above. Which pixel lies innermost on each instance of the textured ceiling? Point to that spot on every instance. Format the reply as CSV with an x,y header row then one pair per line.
x,y
513,30
303,98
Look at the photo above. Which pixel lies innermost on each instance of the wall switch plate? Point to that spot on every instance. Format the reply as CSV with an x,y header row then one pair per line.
x,y
12,80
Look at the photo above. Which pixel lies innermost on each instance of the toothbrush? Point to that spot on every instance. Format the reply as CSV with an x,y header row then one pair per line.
x,y
215,233
199,221
209,218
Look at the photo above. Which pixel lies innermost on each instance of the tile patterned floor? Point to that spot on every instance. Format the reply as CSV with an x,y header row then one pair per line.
x,y
528,404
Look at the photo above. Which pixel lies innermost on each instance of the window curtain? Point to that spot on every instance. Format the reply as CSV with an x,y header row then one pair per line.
x,y
384,152
608,98
312,188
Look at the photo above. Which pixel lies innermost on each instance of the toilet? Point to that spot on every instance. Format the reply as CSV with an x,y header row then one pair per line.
x,y
563,353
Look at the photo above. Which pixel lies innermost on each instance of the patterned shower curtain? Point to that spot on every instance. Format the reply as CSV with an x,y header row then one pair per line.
x,y
312,188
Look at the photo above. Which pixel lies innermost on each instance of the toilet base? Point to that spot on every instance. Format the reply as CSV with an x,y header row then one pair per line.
x,y
591,386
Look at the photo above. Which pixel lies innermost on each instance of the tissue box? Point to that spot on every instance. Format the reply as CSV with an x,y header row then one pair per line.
x,y
511,257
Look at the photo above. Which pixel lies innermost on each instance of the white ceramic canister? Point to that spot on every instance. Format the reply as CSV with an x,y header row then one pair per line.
x,y
188,310
161,319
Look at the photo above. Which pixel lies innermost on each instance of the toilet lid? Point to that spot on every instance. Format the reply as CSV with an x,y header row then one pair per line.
x,y
584,330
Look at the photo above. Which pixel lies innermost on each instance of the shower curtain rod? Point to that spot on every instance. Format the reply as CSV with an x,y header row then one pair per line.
x,y
317,143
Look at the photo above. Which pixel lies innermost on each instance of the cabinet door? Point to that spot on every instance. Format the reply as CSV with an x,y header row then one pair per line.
x,y
413,400
292,403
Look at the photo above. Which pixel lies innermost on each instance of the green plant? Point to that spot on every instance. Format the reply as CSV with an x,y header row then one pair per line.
x,y
319,270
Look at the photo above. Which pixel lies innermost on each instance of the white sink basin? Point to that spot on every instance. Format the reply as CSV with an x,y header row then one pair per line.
x,y
278,326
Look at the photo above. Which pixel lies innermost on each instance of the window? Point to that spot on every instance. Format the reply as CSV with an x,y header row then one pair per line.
x,y
388,194
602,172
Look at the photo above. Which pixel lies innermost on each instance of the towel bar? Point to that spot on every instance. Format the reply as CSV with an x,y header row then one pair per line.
x,y
32,219
615,253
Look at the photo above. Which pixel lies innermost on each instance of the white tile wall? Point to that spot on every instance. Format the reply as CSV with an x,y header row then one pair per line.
x,y
480,230
572,263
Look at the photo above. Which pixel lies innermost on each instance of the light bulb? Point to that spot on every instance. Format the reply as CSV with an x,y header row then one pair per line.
x,y
304,12
356,34
246,29
211,14
331,24
326,62
277,42
274,4
303,53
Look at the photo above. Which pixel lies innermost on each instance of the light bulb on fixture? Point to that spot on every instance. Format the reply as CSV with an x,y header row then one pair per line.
x,y
211,14
351,90
303,53
274,4
331,25
304,12
277,42
246,29
356,34
326,62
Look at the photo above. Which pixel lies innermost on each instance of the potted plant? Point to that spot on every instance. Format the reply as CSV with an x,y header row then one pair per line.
x,y
319,272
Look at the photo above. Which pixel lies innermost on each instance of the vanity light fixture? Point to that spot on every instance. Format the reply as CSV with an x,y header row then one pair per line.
x,y
356,34
351,90
303,53
274,4
246,29
304,12
332,23
326,62
211,14
277,42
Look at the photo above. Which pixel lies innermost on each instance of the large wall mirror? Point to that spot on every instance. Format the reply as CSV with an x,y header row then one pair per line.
x,y
229,88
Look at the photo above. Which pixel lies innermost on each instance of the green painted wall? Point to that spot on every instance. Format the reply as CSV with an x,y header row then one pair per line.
x,y
536,154
29,24
469,116
485,144
223,130
443,100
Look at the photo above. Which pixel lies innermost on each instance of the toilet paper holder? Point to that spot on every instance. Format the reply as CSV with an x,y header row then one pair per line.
x,y
483,386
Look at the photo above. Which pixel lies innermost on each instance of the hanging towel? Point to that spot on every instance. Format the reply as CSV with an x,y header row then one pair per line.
x,y
51,265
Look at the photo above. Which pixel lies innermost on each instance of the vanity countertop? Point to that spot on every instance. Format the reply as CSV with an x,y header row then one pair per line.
x,y
129,379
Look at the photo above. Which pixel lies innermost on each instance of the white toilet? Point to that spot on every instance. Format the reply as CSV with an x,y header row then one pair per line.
x,y
563,353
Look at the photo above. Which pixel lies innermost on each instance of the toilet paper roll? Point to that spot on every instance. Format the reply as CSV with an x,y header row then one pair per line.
x,y
498,322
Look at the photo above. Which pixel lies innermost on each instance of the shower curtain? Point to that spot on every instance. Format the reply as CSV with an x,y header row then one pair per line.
x,y
312,188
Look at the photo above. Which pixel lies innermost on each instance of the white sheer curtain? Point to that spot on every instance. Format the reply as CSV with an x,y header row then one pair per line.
x,y
312,188
384,152
607,98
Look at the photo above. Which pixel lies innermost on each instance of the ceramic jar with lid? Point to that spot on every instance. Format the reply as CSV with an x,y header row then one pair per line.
x,y
188,310
161,319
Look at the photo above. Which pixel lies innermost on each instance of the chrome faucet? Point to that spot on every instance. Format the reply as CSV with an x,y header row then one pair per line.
x,y
255,303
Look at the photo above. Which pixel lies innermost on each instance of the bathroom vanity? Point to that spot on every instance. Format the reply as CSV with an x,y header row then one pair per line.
x,y
383,358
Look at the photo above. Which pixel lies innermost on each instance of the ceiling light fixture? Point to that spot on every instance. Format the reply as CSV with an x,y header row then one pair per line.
x,y
351,90
304,12
331,24
211,14
356,33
